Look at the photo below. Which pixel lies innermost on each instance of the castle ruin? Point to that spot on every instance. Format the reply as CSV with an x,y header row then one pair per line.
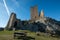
x,y
36,16
16,23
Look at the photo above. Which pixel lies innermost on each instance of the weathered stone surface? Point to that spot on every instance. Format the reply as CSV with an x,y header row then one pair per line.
x,y
36,23
34,13
35,16
13,22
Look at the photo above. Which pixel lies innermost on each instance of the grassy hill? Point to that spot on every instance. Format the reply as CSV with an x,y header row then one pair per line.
x,y
8,35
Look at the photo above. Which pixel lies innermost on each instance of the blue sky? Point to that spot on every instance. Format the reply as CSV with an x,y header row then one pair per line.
x,y
22,9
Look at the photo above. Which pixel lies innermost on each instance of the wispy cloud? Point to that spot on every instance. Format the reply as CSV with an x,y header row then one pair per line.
x,y
4,1
4,16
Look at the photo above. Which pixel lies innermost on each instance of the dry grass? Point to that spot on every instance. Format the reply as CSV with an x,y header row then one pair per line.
x,y
8,35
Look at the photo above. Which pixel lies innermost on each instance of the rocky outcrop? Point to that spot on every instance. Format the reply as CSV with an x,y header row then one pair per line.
x,y
36,23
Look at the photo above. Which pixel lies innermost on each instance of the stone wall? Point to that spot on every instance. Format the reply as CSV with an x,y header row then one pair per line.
x,y
34,13
11,21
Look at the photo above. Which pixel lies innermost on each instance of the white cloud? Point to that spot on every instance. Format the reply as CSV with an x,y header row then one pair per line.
x,y
4,1
4,15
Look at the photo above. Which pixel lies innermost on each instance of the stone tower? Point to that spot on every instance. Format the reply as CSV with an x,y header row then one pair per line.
x,y
42,14
34,13
11,21
41,17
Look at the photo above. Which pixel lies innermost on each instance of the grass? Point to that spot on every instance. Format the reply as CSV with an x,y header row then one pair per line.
x,y
6,32
8,35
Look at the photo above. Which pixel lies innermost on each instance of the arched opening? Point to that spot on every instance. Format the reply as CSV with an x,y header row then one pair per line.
x,y
15,24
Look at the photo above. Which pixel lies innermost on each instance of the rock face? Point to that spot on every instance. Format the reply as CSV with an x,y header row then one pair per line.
x,y
51,24
36,23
